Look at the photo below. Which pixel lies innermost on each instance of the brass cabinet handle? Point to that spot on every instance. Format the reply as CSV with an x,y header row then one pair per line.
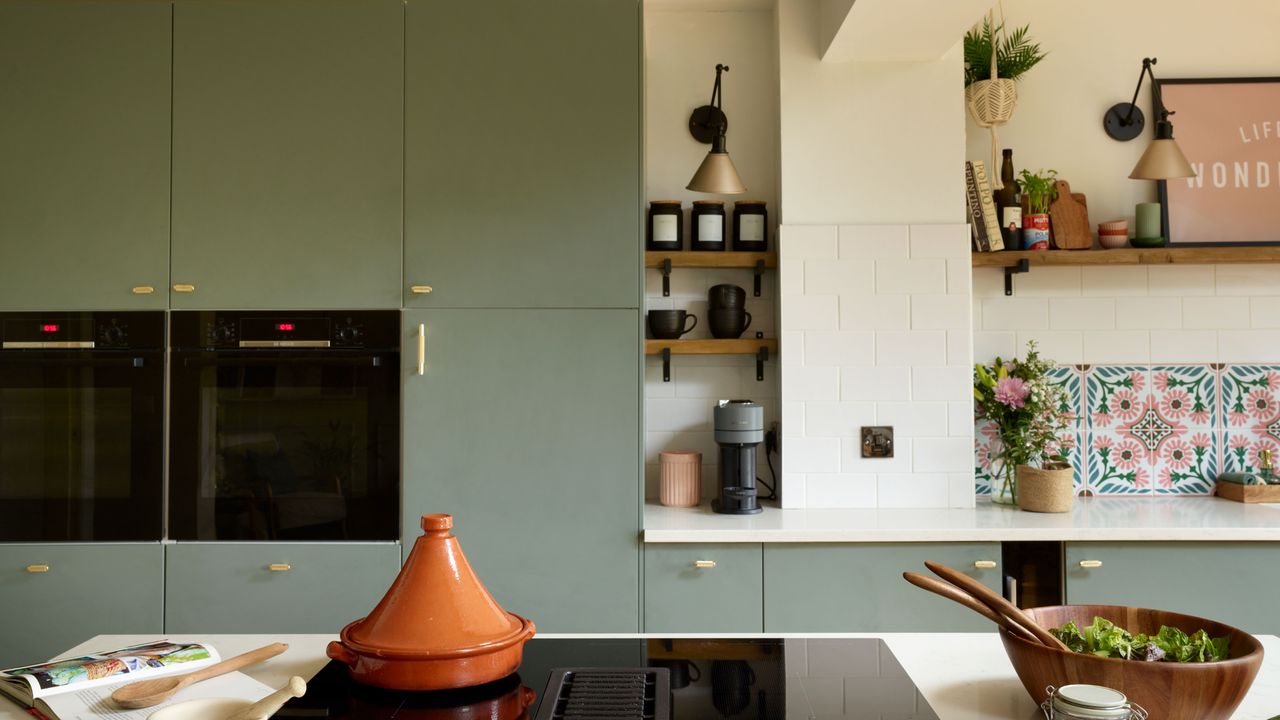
x,y
143,290
420,289
704,564
279,567
422,348
1090,564
37,568
184,287
984,564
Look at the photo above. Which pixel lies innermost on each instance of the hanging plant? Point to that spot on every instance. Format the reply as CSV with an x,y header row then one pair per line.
x,y
994,59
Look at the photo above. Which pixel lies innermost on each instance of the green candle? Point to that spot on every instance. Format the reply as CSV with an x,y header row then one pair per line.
x,y
1148,220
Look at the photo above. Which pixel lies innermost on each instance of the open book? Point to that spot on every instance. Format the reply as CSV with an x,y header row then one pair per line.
x,y
81,687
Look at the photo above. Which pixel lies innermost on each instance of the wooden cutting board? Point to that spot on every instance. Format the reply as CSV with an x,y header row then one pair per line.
x,y
1069,218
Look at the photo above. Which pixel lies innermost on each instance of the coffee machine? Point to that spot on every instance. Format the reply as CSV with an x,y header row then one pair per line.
x,y
739,427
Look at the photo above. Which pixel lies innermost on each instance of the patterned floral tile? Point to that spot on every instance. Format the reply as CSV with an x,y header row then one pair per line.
x,y
1251,415
987,445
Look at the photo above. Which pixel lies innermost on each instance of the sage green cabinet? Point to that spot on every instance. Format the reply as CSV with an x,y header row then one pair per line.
x,y
697,588
858,587
274,588
525,427
1232,582
522,153
287,153
58,596
84,155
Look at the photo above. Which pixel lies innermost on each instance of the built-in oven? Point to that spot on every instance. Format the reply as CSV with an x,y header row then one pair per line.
x,y
284,425
81,426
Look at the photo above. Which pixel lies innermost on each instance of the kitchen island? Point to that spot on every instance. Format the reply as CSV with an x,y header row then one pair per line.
x,y
962,676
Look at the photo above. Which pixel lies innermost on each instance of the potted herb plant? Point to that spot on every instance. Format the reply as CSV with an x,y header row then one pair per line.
x,y
1039,190
1030,414
994,59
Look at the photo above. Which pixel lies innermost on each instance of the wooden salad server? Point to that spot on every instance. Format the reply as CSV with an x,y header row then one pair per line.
x,y
148,693
997,603
951,592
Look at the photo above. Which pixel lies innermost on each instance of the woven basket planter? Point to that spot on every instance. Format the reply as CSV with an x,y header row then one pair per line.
x,y
1046,490
991,102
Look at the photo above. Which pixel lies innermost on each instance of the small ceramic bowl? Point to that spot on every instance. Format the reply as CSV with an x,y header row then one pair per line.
x,y
1121,225
1113,242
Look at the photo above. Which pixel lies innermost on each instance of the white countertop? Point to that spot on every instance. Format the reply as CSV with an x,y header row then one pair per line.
x,y
1099,519
963,676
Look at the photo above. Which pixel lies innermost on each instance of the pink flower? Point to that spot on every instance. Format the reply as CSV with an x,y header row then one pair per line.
x,y
984,457
1141,479
1102,418
1238,441
1125,405
1161,381
1129,454
1201,441
1165,478
1102,442
989,430
1175,404
1012,391
1177,453
1237,418
1200,417
1138,381
1273,380
1261,404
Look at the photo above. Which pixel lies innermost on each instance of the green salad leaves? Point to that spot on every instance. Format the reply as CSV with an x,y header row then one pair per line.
x,y
1105,639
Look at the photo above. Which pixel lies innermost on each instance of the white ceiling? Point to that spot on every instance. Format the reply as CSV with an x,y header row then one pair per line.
x,y
895,30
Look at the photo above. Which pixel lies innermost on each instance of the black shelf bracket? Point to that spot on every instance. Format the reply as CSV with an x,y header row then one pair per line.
x,y
666,364
759,274
762,357
1024,265
666,277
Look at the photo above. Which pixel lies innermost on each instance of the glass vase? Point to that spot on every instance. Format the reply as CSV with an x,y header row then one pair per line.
x,y
1004,484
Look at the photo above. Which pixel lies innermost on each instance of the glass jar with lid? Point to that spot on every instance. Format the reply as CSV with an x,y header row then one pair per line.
x,y
1089,702
666,226
750,226
706,225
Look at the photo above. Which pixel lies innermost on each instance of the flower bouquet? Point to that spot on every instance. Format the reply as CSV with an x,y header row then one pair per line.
x,y
1027,410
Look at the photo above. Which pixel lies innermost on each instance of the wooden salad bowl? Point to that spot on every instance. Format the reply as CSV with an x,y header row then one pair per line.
x,y
1167,690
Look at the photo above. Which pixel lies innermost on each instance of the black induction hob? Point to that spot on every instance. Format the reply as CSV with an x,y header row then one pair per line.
x,y
752,679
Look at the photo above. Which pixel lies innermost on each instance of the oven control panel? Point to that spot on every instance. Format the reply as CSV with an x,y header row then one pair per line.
x,y
308,329
82,331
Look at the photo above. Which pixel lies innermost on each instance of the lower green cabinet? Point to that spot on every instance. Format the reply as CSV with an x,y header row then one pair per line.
x,y
703,588
55,597
1231,582
858,587
274,587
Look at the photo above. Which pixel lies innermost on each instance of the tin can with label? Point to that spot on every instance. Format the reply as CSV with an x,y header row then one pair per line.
x,y
1035,231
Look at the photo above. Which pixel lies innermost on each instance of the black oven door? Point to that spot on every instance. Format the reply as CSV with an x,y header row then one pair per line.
x,y
81,446
284,445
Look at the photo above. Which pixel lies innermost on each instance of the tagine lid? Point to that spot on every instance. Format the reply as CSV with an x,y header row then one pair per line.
x,y
436,607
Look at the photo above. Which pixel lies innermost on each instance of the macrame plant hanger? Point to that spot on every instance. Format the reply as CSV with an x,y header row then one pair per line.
x,y
991,102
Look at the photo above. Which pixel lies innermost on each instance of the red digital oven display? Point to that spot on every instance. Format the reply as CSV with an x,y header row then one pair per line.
x,y
284,327
49,328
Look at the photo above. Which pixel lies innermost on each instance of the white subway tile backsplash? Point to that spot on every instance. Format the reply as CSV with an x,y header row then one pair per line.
x,y
654,387
810,312
838,419
1065,346
1113,280
793,418
874,242
805,383
1148,313
940,241
1240,346
832,277
841,490
1015,313
1184,346
947,455
794,490
1053,281
1256,279
960,419
1116,346
707,382
811,455
939,312
910,348
913,419
1264,312
851,460
839,348
1180,280
954,382
791,345
677,414
989,282
702,441
790,275
960,276
960,347
875,383
1082,313
989,345
1215,313
918,490
911,277
807,242
875,312
960,493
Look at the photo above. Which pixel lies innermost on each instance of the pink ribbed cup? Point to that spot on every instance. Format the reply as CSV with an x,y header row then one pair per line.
x,y
680,484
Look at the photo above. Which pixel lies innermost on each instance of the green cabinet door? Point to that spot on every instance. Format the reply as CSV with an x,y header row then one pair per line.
x,y
1230,582
84,155
858,587
274,588
522,153
525,427
287,153
57,596
696,588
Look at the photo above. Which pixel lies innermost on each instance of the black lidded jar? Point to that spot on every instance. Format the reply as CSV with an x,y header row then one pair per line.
x,y
750,226
706,225
666,226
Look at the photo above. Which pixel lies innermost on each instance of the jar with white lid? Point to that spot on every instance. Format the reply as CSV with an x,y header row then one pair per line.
x,y
1089,702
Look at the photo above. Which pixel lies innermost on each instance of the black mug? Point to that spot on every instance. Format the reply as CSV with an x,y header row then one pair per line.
x,y
728,322
682,672
726,296
669,324
731,682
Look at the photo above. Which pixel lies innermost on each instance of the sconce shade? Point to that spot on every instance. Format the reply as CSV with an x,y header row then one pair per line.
x,y
717,175
1163,159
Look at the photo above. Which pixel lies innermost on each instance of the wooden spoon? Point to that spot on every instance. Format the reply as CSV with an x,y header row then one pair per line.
x,y
996,603
269,705
147,693
951,592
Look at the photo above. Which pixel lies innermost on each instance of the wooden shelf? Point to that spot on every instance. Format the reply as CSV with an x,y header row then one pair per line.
x,y
1132,256
741,346
690,259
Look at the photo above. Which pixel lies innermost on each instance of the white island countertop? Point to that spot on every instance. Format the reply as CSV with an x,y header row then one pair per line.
x,y
1096,519
963,676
